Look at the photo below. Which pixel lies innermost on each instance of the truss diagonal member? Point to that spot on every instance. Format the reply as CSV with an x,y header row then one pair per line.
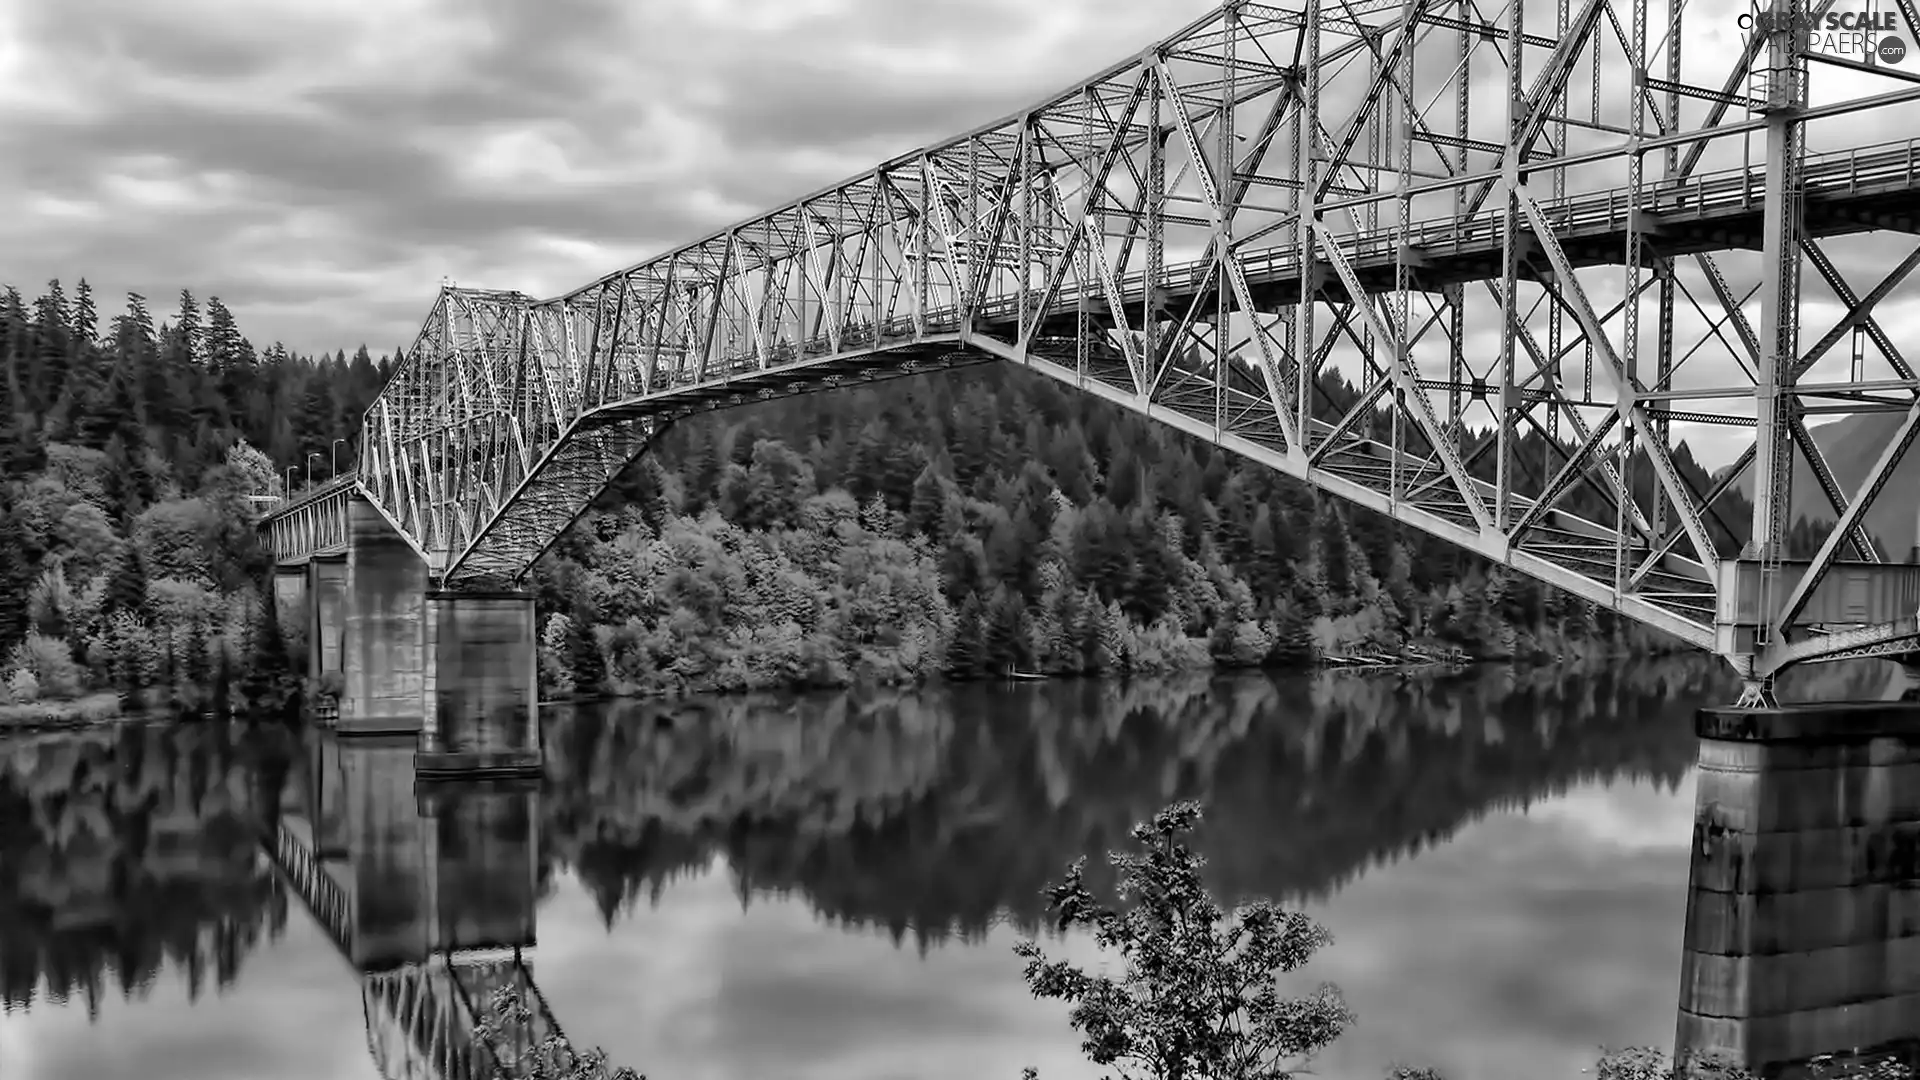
x,y
1269,364
1863,498
1724,99
573,472
1859,309
1389,63
1078,232
1863,544
1362,406
1717,281
1858,643
1720,487
1548,370
1574,298
1548,85
1407,381
1574,467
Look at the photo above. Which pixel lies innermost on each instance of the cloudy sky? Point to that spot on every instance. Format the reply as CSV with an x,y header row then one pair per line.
x,y
323,165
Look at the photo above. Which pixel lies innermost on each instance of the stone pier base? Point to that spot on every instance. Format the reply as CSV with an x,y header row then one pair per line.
x,y
1803,909
385,587
456,671
483,697
290,606
327,611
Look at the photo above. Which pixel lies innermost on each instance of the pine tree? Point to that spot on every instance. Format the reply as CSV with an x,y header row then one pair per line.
x,y
127,588
16,581
966,656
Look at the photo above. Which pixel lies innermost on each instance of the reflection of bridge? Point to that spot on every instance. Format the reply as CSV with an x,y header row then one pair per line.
x,y
1196,233
430,900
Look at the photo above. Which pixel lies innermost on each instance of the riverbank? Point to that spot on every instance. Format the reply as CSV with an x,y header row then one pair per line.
x,y
98,708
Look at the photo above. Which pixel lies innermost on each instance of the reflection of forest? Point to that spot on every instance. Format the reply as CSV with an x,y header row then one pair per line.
x,y
930,813
126,850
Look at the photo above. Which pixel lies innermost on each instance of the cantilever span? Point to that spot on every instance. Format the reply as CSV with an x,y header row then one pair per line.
x,y
1535,220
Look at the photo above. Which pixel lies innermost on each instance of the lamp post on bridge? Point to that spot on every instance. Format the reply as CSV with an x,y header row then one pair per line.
x,y
311,454
288,485
333,458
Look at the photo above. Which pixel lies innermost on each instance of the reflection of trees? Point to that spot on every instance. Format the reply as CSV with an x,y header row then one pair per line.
x,y
932,813
122,851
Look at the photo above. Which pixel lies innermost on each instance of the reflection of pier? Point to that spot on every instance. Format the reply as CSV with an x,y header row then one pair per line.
x,y
429,897
1803,912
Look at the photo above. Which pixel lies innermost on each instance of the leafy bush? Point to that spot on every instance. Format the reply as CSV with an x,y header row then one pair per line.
x,y
511,1023
22,687
51,664
1198,998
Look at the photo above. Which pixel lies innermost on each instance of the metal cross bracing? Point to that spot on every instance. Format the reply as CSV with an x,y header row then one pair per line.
x,y
1449,202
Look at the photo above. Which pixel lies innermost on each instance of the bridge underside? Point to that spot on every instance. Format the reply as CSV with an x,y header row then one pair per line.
x,y
1202,232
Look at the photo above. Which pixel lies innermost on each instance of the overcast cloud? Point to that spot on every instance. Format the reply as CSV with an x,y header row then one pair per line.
x,y
322,165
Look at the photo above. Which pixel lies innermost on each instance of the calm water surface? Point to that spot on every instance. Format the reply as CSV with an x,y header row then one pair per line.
x,y
830,887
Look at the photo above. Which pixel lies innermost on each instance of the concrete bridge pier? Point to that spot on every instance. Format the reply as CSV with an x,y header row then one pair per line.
x,y
455,670
381,617
326,614
1803,908
483,697
290,602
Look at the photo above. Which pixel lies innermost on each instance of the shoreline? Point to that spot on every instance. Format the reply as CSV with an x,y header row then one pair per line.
x,y
103,707
107,707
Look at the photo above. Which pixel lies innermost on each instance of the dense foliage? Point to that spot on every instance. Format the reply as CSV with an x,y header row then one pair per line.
x,y
988,519
127,457
968,523
1197,995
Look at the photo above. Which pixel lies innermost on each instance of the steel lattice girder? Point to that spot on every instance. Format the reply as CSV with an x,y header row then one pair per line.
x,y
1200,232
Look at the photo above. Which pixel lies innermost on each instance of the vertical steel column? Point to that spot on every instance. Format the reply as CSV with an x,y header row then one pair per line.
x,y
1223,223
1307,175
1156,195
1663,265
1780,300
1513,316
1631,294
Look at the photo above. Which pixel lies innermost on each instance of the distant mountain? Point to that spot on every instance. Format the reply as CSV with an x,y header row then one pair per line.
x,y
1851,446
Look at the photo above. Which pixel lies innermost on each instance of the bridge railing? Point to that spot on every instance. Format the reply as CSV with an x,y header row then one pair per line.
x,y
313,494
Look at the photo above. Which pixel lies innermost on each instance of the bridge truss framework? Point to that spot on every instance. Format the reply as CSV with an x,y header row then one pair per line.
x,y
1498,219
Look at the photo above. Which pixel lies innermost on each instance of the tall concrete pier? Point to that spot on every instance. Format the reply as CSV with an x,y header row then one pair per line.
x,y
1803,909
456,671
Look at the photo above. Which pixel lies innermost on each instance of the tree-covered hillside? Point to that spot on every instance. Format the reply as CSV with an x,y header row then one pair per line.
x,y
966,523
128,455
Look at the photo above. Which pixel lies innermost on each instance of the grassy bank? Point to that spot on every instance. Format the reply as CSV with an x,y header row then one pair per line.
x,y
92,709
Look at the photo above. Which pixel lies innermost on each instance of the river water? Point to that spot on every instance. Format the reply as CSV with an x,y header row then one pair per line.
x,y
830,887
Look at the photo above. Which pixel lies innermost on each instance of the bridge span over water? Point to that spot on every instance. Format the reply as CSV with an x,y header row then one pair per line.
x,y
1584,220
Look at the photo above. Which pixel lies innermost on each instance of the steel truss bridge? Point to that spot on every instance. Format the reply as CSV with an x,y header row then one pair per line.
x,y
1536,220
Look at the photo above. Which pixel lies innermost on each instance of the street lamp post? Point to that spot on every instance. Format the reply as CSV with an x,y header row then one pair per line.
x,y
310,456
288,486
334,457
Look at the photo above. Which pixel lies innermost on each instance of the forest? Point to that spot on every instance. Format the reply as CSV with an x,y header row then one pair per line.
x,y
959,524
